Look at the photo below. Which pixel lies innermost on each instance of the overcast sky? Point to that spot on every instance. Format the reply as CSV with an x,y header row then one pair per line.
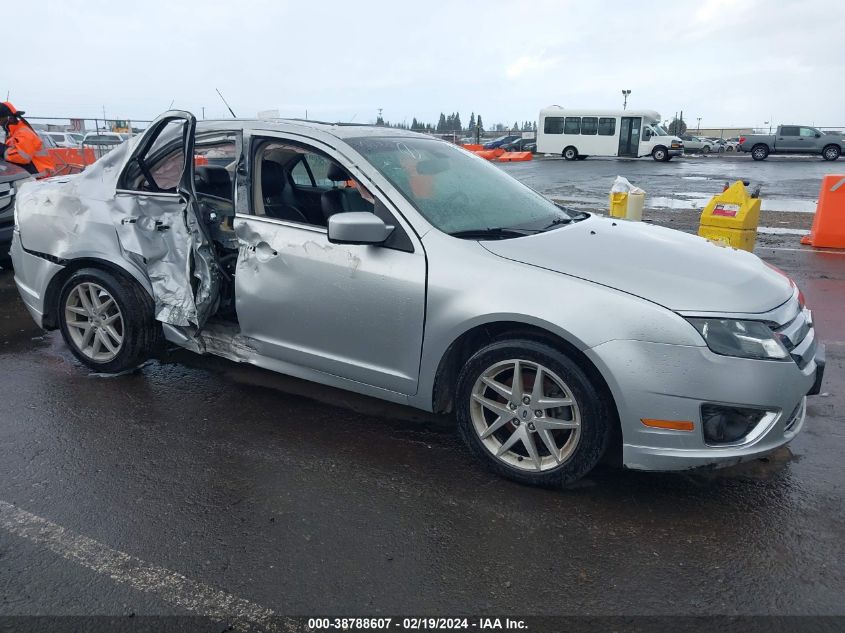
x,y
730,62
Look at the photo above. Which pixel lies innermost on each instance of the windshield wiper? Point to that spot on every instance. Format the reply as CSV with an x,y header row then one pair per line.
x,y
496,233
580,215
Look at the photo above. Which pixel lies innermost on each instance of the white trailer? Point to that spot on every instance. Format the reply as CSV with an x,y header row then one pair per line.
x,y
577,134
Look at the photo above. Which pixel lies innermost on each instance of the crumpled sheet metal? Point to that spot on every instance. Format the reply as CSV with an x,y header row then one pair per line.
x,y
81,216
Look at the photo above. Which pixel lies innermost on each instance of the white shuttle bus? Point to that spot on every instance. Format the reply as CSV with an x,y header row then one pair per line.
x,y
577,134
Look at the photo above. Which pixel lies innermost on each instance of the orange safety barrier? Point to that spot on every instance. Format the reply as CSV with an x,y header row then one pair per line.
x,y
510,157
490,154
829,222
69,160
473,147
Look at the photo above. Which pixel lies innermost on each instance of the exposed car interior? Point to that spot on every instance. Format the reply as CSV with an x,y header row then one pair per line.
x,y
303,186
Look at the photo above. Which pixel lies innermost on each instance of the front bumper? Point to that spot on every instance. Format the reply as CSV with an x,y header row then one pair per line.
x,y
672,382
675,152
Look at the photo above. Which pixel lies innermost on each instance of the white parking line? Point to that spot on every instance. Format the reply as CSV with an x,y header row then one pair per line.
x,y
123,568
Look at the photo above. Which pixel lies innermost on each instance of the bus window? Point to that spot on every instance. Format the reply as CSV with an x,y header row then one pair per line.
x,y
588,125
553,125
607,126
572,125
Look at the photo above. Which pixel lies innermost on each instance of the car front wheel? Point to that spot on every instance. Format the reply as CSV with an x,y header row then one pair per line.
x,y
107,321
531,413
831,152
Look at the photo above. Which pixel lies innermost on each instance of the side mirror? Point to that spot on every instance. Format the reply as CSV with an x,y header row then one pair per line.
x,y
358,227
818,135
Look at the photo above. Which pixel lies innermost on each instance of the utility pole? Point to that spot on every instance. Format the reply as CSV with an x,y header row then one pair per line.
x,y
104,117
203,113
699,124
625,94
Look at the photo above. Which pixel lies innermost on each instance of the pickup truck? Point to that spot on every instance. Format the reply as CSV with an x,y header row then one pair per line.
x,y
793,139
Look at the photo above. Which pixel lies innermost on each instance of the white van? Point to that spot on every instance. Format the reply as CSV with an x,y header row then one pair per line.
x,y
576,134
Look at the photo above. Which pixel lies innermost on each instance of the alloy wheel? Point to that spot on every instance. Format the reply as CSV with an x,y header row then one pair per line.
x,y
525,415
94,322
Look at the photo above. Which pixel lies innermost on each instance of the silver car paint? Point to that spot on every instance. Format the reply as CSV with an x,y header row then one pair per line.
x,y
609,303
676,270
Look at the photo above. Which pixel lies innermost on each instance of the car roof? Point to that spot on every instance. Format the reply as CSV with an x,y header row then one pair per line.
x,y
339,130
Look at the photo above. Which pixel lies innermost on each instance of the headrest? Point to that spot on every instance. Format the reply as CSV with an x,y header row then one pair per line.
x,y
272,178
337,173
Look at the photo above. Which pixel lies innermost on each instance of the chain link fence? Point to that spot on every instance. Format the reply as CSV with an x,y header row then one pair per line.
x,y
74,143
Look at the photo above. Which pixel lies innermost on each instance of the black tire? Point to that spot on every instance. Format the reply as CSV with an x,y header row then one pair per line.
x,y
142,334
705,149
570,153
660,153
759,152
582,157
831,152
592,404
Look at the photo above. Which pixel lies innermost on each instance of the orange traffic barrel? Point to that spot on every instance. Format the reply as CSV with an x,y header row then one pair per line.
x,y
829,222
509,157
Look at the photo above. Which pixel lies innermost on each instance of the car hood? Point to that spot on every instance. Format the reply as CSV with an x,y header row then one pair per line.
x,y
677,270
10,172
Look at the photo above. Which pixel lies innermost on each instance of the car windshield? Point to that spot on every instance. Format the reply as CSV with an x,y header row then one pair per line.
x,y
458,192
660,130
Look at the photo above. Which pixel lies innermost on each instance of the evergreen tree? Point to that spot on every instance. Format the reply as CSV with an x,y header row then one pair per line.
x,y
472,122
677,127
457,123
441,123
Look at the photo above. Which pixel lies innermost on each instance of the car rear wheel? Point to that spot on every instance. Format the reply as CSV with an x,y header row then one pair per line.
x,y
531,413
759,152
107,321
570,153
831,152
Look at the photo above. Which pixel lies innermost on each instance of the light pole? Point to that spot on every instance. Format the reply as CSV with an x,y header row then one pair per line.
x,y
625,94
699,124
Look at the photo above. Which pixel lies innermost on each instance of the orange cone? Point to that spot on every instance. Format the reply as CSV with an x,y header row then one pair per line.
x,y
829,222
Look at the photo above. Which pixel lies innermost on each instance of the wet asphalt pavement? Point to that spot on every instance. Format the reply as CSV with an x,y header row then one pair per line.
x,y
789,183
308,500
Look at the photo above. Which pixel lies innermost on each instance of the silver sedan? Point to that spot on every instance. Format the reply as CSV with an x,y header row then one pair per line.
x,y
405,268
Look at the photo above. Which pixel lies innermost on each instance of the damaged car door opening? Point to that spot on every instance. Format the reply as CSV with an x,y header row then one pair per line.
x,y
402,267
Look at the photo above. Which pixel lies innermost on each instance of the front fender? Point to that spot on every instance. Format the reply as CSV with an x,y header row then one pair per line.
x,y
486,289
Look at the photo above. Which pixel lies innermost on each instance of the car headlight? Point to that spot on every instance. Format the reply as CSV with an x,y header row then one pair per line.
x,y
746,339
